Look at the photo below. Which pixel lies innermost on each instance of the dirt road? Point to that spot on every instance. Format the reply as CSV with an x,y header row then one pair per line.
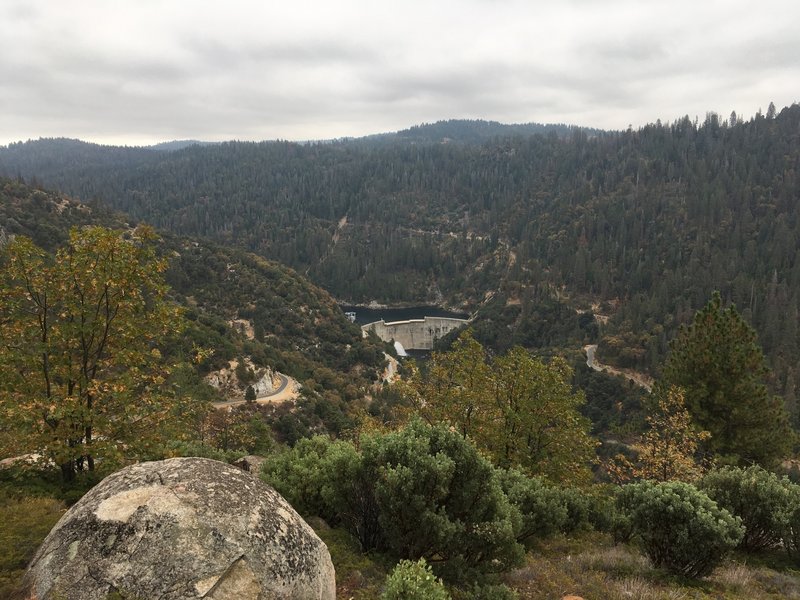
x,y
639,379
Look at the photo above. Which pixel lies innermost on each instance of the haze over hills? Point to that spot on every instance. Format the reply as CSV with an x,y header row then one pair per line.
x,y
178,145
649,222
457,130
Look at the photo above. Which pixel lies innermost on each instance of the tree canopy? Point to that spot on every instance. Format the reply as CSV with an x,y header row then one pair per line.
x,y
516,407
81,373
719,364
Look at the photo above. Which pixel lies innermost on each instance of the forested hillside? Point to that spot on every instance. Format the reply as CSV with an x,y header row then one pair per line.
x,y
556,241
297,328
648,221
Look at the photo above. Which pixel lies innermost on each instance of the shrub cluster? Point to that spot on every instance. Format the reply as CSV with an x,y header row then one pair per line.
x,y
680,527
425,492
542,509
688,530
421,492
764,502
791,531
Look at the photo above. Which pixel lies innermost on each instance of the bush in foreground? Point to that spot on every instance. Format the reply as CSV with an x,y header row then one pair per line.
x,y
421,492
764,502
680,527
542,509
438,497
791,531
413,580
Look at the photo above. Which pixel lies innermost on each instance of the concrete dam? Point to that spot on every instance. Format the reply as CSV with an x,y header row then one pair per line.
x,y
415,334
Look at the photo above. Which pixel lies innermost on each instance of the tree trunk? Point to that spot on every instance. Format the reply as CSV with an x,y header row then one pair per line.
x,y
68,471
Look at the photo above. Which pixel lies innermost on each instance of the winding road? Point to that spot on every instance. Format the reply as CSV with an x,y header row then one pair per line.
x,y
282,393
640,379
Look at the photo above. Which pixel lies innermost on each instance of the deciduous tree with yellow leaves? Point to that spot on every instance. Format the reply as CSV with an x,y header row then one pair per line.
x,y
668,450
520,410
81,375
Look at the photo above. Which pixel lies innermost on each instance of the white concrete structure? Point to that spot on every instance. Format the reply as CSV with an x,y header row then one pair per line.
x,y
415,334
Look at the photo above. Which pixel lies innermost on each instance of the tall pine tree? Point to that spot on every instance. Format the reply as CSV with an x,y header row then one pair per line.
x,y
718,362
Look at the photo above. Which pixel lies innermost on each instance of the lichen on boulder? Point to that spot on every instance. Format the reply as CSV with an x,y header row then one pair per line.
x,y
183,528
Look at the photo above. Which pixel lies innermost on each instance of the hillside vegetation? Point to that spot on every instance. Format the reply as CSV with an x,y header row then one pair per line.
x,y
486,472
297,328
651,221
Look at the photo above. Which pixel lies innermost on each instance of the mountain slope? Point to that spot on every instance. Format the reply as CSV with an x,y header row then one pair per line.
x,y
298,329
648,222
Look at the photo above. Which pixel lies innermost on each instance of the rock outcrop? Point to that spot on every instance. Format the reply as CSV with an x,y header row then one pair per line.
x,y
250,463
228,382
5,238
184,528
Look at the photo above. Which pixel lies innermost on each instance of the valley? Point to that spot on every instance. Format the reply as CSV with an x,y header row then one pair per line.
x,y
514,229
648,221
399,301
575,268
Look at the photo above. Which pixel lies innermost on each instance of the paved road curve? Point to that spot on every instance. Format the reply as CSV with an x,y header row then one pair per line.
x,y
283,392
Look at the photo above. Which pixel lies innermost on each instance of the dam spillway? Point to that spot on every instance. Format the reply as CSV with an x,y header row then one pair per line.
x,y
415,334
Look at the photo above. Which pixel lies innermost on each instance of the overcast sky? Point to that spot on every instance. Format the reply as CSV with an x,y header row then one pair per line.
x,y
143,71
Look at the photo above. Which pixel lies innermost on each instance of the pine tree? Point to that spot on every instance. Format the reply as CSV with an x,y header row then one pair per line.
x,y
718,362
250,394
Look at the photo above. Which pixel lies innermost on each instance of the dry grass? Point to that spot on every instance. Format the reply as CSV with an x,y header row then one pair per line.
x,y
24,523
589,566
736,577
593,568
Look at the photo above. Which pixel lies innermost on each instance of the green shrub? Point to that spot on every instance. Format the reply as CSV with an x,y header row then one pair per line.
x,y
606,516
790,537
761,499
348,492
791,531
541,508
304,476
439,497
602,506
413,581
421,492
577,505
620,527
320,477
680,527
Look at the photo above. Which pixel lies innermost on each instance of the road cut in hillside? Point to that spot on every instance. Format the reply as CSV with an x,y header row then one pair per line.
x,y
639,379
289,389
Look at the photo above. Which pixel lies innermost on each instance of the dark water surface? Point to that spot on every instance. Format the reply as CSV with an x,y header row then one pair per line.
x,y
370,315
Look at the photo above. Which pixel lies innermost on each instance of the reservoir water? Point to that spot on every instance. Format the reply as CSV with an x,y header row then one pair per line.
x,y
370,315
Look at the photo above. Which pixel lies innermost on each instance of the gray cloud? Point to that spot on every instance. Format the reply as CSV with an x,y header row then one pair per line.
x,y
161,69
